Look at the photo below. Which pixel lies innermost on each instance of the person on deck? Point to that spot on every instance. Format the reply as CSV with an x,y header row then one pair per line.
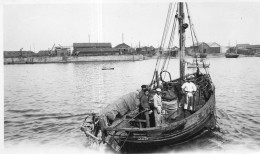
x,y
141,92
189,88
158,107
145,106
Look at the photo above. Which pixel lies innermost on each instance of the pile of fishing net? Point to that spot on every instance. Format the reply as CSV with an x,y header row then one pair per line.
x,y
121,106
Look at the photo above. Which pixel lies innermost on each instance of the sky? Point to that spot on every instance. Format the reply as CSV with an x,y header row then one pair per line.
x,y
38,26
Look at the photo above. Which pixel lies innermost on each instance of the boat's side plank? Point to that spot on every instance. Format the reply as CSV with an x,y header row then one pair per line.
x,y
185,127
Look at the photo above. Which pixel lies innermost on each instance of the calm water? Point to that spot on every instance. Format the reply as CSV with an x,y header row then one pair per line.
x,y
44,104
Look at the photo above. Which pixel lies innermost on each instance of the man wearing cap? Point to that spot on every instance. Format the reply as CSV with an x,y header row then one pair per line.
x,y
189,88
158,107
141,92
145,106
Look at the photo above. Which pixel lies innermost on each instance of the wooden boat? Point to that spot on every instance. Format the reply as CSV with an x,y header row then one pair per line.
x,y
200,55
107,68
120,124
232,53
195,65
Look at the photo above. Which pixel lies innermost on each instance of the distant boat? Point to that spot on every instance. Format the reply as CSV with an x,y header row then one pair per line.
x,y
231,55
107,68
200,55
194,65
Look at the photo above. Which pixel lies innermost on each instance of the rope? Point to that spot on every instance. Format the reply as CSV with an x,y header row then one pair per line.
x,y
174,26
192,34
129,132
123,143
166,27
192,24
167,59
165,32
172,36
167,67
167,24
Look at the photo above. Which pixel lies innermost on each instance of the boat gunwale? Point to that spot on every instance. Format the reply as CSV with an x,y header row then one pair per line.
x,y
177,134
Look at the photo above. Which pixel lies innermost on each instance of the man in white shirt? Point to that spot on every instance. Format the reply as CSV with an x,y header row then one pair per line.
x,y
158,107
189,88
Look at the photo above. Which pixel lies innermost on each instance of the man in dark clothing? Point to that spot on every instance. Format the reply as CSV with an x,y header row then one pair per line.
x,y
144,87
141,93
145,106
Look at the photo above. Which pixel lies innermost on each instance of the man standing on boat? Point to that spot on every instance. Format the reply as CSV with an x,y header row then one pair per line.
x,y
141,92
145,106
189,88
158,107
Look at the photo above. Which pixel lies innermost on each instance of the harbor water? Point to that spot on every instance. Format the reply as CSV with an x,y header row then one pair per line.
x,y
45,104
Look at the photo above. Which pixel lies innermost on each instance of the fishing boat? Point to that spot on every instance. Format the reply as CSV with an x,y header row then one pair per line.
x,y
195,65
120,125
232,53
200,55
107,68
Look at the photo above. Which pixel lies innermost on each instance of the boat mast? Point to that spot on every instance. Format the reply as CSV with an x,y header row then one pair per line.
x,y
181,42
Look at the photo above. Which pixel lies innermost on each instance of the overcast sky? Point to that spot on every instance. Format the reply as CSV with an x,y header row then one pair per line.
x,y
39,25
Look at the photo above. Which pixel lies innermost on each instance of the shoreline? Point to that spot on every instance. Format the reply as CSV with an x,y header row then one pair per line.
x,y
221,55
72,59
114,58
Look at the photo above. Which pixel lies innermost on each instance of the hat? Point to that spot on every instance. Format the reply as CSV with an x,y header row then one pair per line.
x,y
143,86
189,77
158,90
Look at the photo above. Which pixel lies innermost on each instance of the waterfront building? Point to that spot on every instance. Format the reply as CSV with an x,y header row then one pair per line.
x,y
123,48
94,49
44,53
173,52
247,49
148,51
157,51
242,46
18,54
62,51
254,48
202,47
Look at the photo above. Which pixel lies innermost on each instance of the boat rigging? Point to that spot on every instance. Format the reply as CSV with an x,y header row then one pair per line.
x,y
121,125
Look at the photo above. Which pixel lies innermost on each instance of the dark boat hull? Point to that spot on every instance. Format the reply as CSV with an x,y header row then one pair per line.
x,y
203,118
171,140
169,133
232,56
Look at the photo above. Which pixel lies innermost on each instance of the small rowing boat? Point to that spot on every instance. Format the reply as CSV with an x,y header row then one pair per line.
x,y
107,68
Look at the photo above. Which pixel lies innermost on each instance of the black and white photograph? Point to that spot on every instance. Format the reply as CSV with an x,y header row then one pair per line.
x,y
130,76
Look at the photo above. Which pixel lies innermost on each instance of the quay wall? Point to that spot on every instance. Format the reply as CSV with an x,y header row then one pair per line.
x,y
72,59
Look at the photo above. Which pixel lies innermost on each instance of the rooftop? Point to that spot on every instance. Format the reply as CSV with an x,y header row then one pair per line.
x,y
92,45
99,50
122,45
